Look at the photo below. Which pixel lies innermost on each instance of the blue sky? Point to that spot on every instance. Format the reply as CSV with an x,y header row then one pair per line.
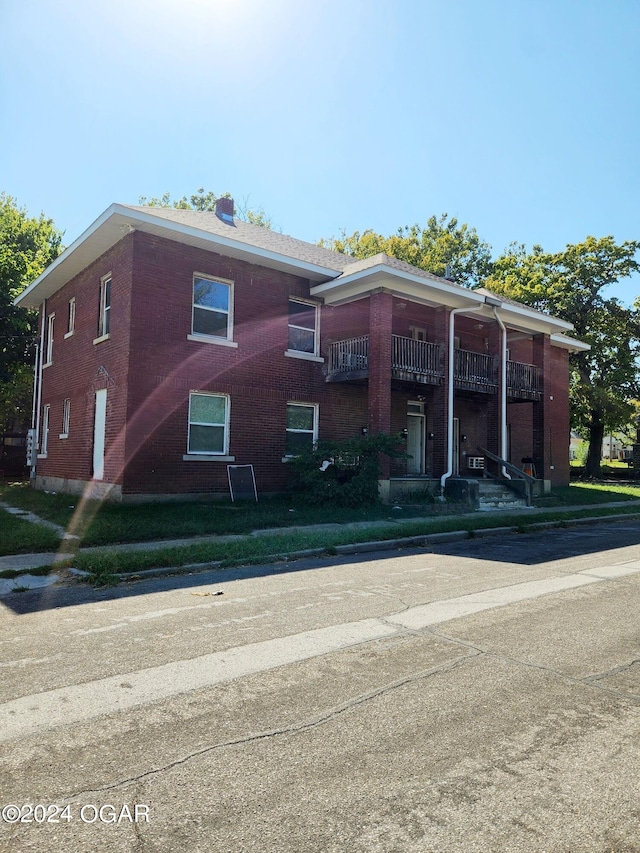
x,y
518,117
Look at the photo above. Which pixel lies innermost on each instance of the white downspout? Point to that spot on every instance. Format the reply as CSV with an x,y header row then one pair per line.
x,y
38,388
503,390
450,378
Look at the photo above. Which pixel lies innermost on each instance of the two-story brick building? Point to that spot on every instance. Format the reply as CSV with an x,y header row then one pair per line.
x,y
176,342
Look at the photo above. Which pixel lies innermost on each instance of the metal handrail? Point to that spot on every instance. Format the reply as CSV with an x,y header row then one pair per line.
x,y
512,469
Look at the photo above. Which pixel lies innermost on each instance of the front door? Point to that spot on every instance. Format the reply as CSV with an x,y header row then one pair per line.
x,y
415,438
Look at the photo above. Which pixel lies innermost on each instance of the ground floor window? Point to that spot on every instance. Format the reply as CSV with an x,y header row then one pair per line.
x,y
302,428
208,423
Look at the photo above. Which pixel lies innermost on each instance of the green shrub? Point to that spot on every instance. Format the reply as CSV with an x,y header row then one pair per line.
x,y
344,473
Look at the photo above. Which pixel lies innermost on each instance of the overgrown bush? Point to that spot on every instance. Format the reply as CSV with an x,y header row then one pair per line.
x,y
344,473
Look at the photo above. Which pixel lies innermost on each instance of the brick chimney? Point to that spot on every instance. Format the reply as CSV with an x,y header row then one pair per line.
x,y
224,209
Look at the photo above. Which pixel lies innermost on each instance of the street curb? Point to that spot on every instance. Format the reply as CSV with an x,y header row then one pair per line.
x,y
363,547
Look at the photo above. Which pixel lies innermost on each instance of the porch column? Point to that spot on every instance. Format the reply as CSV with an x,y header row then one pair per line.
x,y
380,325
551,414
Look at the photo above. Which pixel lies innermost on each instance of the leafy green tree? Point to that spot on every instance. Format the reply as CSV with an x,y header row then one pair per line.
x,y
571,285
27,246
443,243
202,200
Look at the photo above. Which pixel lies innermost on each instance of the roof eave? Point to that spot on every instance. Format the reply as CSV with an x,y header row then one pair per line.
x,y
119,220
433,289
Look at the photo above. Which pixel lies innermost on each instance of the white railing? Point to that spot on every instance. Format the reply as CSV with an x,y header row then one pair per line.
x,y
350,355
411,356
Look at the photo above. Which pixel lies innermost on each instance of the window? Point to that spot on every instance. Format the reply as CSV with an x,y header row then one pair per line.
x,y
44,430
212,308
49,343
208,424
104,319
66,416
71,317
303,320
302,428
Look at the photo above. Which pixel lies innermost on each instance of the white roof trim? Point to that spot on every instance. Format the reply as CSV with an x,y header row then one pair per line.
x,y
402,282
119,220
572,344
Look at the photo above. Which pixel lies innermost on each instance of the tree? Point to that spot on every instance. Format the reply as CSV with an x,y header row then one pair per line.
x,y
202,200
571,284
27,246
442,243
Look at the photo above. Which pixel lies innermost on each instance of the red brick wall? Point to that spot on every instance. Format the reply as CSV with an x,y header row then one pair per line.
x,y
149,367
80,367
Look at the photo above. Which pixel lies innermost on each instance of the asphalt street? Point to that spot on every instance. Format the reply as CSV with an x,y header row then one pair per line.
x,y
476,696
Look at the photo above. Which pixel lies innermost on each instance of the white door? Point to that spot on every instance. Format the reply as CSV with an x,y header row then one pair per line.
x,y
415,438
99,424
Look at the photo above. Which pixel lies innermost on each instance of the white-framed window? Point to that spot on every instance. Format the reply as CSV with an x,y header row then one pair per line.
x,y
44,430
303,327
66,418
208,424
104,317
71,317
212,308
49,343
302,428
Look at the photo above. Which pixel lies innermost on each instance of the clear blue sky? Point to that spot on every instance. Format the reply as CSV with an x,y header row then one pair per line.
x,y
520,117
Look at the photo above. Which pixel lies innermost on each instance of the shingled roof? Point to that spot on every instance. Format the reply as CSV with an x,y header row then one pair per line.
x,y
255,236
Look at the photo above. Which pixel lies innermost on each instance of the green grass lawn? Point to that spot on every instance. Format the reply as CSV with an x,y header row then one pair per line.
x,y
589,493
18,536
103,524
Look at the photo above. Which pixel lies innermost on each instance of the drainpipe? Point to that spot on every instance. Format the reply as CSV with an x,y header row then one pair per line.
x,y
37,390
451,366
503,390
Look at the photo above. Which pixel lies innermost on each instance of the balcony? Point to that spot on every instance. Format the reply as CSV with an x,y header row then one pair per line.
x,y
421,361
524,381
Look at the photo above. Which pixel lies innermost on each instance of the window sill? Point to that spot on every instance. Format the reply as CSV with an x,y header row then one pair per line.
x,y
305,356
68,335
101,338
205,457
64,435
42,455
221,342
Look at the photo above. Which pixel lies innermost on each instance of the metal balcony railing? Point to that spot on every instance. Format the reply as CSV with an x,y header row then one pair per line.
x,y
422,361
524,380
476,370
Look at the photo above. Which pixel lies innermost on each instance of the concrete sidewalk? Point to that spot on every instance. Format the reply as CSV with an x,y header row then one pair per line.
x,y
24,563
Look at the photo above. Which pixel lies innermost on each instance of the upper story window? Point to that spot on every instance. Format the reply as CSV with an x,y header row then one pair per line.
x,y
71,317
49,341
303,327
208,424
212,308
104,317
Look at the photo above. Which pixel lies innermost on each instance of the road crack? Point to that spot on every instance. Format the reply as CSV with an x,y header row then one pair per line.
x,y
293,729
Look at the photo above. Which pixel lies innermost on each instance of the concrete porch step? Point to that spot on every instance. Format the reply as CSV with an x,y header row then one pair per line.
x,y
495,496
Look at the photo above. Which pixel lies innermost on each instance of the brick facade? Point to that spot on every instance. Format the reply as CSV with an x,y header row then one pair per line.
x,y
149,365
